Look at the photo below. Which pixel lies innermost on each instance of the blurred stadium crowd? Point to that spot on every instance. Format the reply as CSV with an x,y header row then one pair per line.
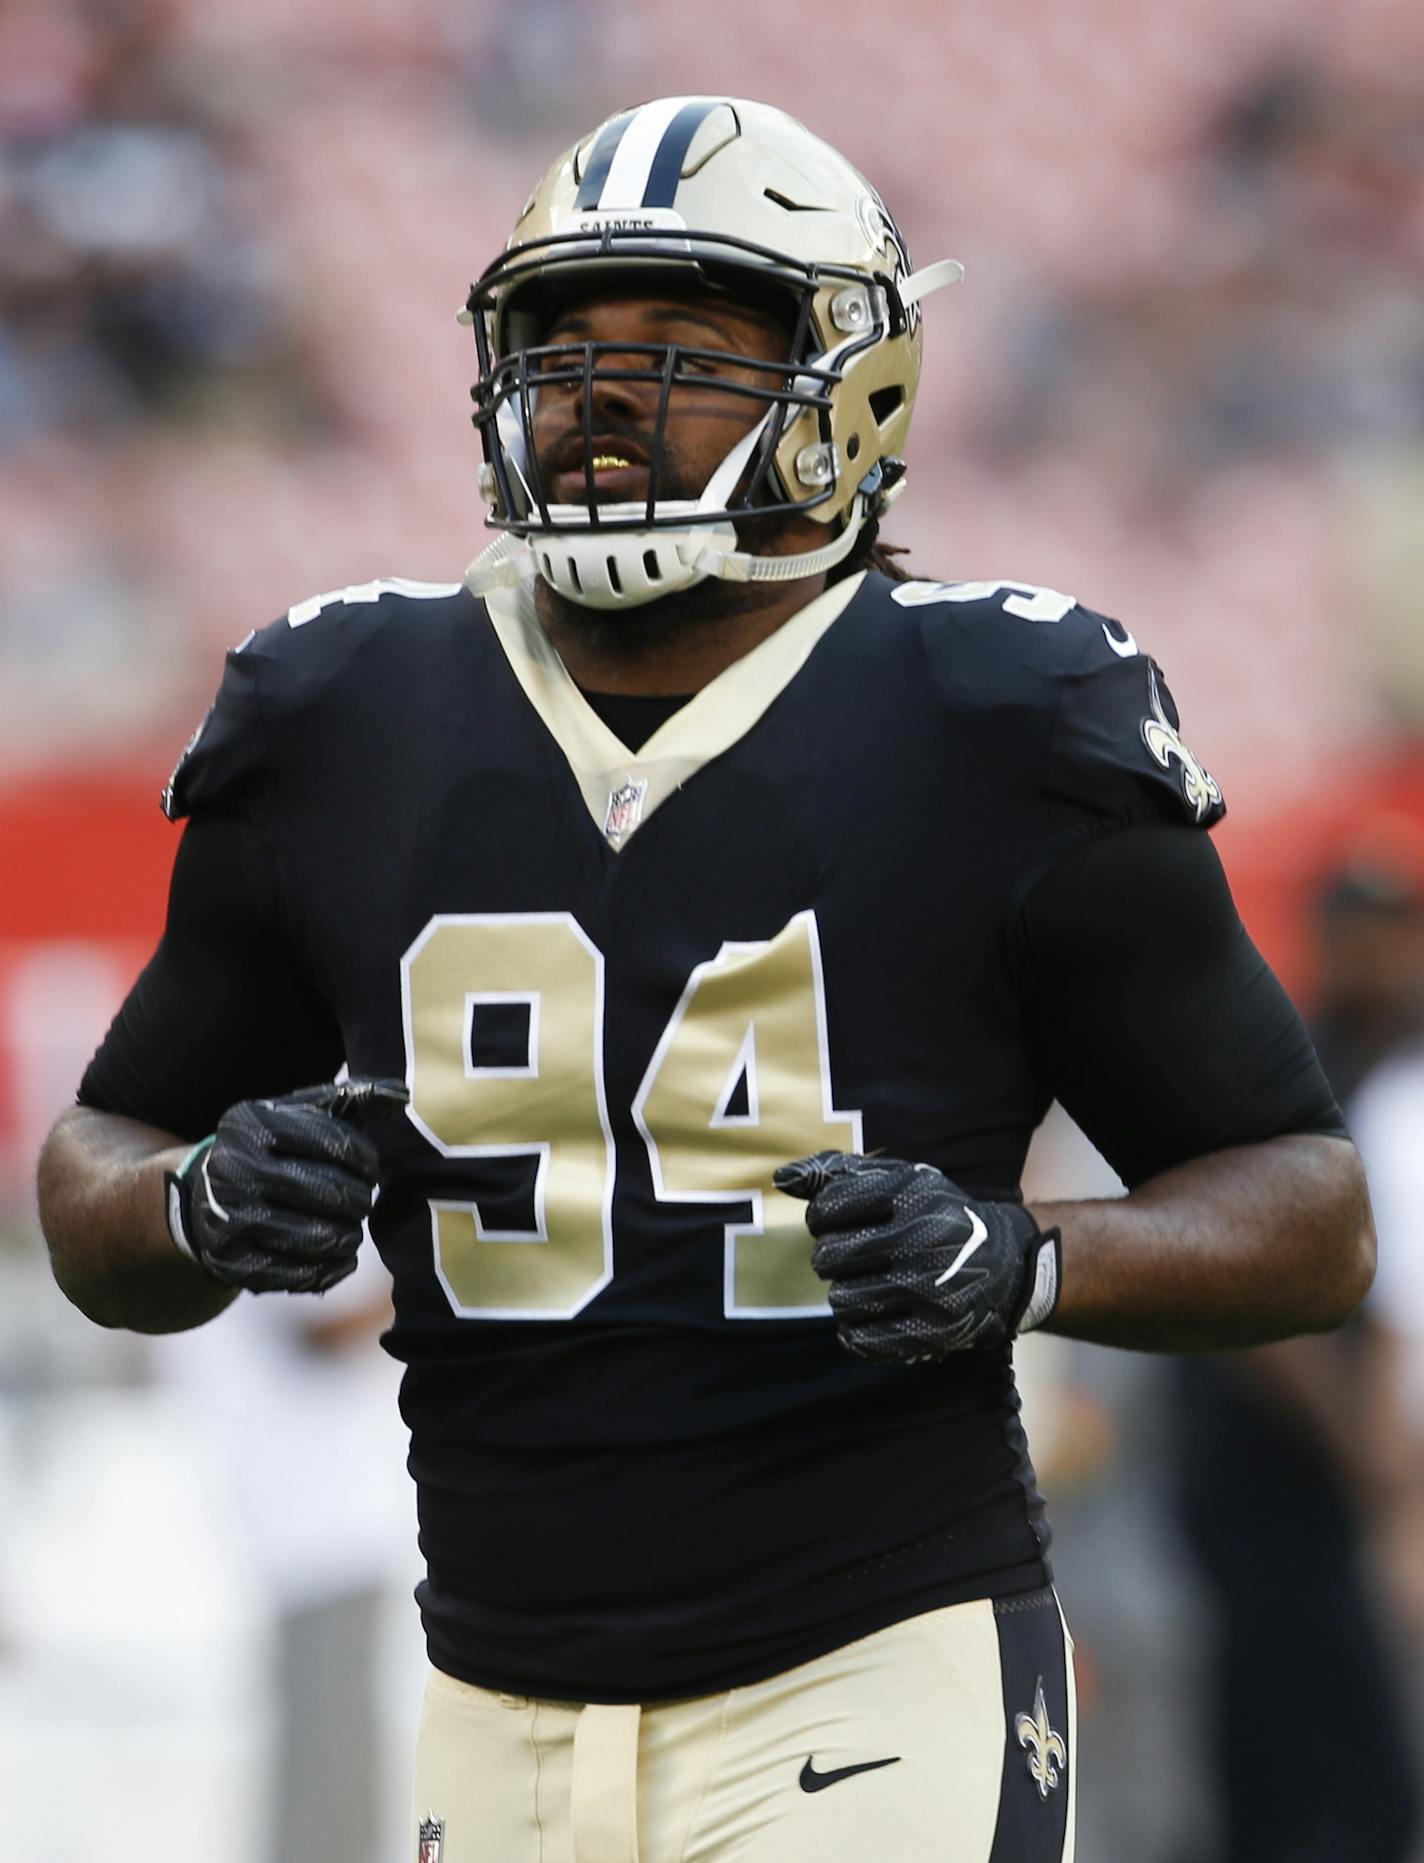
x,y
1184,378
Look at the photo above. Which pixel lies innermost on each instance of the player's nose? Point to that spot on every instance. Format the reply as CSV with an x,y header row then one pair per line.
x,y
624,383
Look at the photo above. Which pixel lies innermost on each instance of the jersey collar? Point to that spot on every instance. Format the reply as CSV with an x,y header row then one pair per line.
x,y
621,788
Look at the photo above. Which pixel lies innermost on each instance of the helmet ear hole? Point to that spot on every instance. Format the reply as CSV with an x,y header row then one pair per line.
x,y
853,446
885,402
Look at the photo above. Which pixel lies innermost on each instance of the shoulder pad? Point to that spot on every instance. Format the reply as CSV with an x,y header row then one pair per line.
x,y
361,593
1073,626
1024,599
224,762
1116,748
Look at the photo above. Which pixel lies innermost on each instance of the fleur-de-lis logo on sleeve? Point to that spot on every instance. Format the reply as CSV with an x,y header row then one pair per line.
x,y
1162,739
1045,1748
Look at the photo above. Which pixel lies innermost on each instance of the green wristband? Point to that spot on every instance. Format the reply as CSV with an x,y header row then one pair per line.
x,y
202,1146
175,1196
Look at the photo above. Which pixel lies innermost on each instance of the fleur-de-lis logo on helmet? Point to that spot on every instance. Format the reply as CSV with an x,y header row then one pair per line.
x,y
1162,739
1046,1749
883,235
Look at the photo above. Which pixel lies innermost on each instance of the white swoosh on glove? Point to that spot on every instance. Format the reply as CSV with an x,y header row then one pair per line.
x,y
978,1234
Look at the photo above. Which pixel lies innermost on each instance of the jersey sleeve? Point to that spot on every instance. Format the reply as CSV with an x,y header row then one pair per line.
x,y
1150,1015
1116,755
224,766
225,1009
1087,731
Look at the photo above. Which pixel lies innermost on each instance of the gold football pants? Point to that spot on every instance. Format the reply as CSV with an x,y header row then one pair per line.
x,y
947,1736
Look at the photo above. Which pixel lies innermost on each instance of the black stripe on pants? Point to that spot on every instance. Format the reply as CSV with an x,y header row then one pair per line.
x,y
1034,1790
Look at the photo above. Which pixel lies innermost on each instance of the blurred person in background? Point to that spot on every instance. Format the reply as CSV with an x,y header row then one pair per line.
x,y
1387,1116
146,318
691,1566
1289,327
137,282
294,1410
1293,1464
1098,1424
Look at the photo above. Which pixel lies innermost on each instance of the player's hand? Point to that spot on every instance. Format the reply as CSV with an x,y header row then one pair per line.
x,y
275,1200
917,1268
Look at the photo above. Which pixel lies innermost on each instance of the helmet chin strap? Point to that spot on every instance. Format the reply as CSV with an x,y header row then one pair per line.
x,y
504,565
742,566
626,569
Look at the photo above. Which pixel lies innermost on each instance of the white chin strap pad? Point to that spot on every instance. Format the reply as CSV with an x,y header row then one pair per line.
x,y
597,569
628,568
631,568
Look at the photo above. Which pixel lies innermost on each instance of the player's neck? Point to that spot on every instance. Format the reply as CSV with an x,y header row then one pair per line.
x,y
673,646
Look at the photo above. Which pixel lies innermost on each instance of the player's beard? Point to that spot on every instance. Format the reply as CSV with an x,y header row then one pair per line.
x,y
628,633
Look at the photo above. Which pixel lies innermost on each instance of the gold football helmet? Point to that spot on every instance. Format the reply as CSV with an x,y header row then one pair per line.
x,y
738,197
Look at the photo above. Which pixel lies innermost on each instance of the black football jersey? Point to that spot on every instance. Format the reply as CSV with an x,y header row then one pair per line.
x,y
623,987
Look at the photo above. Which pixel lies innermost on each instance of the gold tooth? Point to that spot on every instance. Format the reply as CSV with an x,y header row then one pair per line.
x,y
609,459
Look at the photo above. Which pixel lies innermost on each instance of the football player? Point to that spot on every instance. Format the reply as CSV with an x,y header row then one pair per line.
x,y
706,914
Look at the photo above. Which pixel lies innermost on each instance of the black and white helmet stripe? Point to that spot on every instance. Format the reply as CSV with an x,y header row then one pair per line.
x,y
637,160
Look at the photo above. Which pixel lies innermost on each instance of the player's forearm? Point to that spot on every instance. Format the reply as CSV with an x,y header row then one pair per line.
x,y
101,1201
1230,1250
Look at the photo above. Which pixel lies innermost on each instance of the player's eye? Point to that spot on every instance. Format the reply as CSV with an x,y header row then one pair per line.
x,y
713,367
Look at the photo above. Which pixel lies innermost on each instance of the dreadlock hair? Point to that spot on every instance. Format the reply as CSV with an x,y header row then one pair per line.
x,y
870,553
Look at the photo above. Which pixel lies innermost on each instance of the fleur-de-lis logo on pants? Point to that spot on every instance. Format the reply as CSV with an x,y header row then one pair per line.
x,y
1161,737
1044,1746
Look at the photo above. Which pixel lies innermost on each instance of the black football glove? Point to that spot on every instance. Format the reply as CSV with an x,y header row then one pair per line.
x,y
917,1268
275,1200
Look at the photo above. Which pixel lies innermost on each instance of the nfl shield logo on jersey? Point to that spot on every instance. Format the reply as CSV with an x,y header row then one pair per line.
x,y
625,808
432,1840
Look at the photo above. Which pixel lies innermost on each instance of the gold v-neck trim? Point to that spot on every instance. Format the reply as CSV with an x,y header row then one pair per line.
x,y
621,788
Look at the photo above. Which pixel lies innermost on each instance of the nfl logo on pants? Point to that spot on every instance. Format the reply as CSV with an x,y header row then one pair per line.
x,y
432,1840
